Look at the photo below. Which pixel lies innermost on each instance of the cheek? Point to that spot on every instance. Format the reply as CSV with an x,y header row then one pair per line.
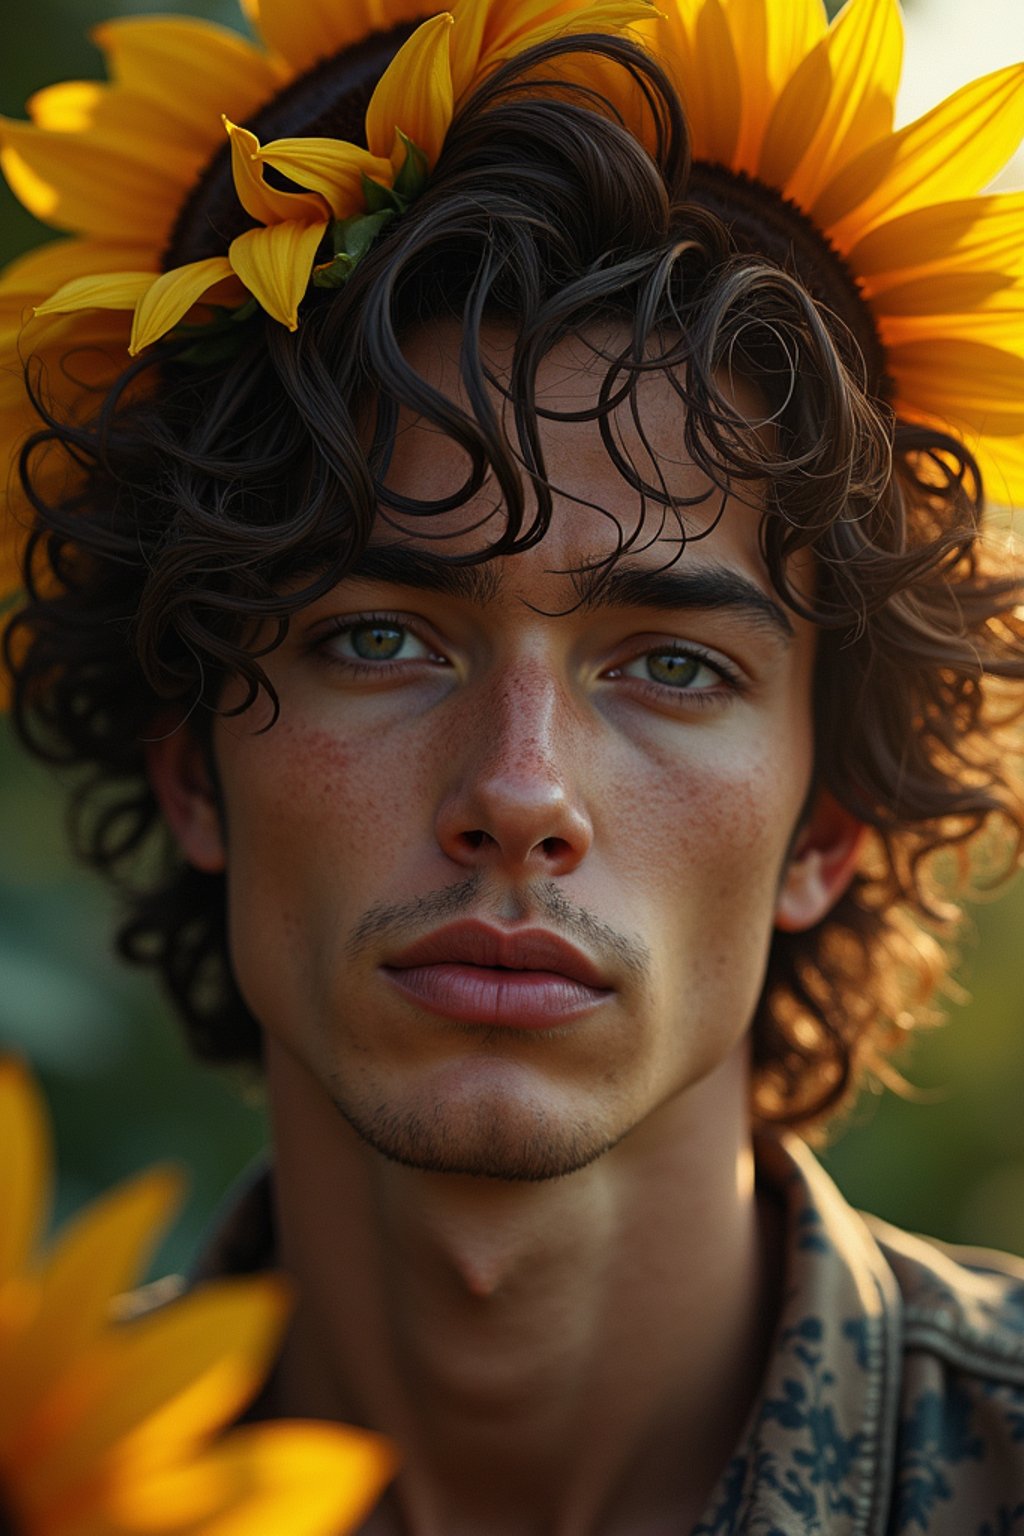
x,y
703,840
311,821
712,825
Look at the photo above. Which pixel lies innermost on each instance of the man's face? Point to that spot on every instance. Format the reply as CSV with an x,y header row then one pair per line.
x,y
627,775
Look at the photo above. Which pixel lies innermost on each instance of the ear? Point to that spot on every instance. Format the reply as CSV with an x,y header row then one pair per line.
x,y
181,782
823,862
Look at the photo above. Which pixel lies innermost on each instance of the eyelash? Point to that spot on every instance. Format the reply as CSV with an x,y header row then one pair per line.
x,y
703,698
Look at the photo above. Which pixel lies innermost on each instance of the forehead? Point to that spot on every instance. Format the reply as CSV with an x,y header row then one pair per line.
x,y
597,512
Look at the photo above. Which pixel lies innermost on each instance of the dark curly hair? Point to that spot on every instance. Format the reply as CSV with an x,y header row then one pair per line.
x,y
215,500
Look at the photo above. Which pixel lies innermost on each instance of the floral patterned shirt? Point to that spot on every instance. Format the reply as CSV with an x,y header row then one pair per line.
x,y
893,1401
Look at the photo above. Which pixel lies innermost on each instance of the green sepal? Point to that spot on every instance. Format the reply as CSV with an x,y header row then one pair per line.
x,y
380,198
410,182
334,273
412,179
351,239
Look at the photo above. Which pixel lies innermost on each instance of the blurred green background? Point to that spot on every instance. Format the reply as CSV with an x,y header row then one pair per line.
x,y
949,1160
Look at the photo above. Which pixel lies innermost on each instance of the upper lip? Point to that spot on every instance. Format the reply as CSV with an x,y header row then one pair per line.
x,y
523,949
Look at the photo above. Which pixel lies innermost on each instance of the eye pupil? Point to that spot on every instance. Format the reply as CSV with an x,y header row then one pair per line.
x,y
376,642
670,668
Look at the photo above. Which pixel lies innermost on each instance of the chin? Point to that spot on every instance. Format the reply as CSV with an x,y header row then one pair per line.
x,y
485,1140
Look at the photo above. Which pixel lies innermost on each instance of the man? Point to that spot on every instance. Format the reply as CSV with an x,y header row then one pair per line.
x,y
553,666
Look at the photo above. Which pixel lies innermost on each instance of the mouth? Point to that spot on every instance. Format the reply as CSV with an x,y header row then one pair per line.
x,y
516,978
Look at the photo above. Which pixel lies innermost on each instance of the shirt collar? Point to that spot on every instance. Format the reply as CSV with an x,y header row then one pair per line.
x,y
816,1453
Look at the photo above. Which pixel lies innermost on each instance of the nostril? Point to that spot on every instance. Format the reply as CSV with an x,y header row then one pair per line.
x,y
554,845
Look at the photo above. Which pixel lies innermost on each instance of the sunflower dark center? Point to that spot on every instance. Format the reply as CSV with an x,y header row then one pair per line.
x,y
329,101
764,223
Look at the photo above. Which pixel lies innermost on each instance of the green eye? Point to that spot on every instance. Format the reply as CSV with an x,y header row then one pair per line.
x,y
675,670
376,642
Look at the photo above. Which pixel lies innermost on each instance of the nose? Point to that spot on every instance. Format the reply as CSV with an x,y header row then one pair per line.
x,y
515,802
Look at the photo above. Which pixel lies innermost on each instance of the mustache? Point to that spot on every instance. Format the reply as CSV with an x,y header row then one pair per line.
x,y
396,921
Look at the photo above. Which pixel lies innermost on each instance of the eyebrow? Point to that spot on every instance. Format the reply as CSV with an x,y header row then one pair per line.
x,y
404,567
627,584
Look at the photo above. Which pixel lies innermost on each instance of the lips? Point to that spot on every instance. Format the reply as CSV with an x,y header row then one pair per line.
x,y
527,979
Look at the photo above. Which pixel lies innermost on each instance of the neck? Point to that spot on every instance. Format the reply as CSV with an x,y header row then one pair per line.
x,y
563,1357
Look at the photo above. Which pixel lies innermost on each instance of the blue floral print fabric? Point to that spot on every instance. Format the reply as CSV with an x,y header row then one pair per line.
x,y
893,1403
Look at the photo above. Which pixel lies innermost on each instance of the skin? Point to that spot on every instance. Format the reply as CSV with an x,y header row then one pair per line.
x,y
538,1259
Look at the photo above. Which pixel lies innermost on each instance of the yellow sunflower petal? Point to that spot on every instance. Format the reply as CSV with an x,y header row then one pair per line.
x,y
34,277
811,134
192,71
415,94
108,290
951,152
275,265
25,1158
65,181
770,41
264,202
303,1478
1001,461
485,34
512,25
224,1331
112,119
972,234
793,30
330,167
748,25
98,1256
320,28
963,296
171,296
467,43
710,86
963,380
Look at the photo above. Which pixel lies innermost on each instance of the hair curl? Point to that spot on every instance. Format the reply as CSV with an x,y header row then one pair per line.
x,y
204,494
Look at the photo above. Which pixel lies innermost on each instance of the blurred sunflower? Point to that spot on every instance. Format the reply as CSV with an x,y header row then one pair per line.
x,y
108,1428
775,94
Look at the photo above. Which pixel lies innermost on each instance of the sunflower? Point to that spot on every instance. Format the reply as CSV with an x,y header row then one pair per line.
x,y
115,162
107,1428
774,93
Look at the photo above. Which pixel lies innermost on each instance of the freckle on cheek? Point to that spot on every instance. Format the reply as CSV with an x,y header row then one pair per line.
x,y
341,784
315,765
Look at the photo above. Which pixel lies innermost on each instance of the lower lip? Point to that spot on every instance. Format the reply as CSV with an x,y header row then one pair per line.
x,y
476,994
